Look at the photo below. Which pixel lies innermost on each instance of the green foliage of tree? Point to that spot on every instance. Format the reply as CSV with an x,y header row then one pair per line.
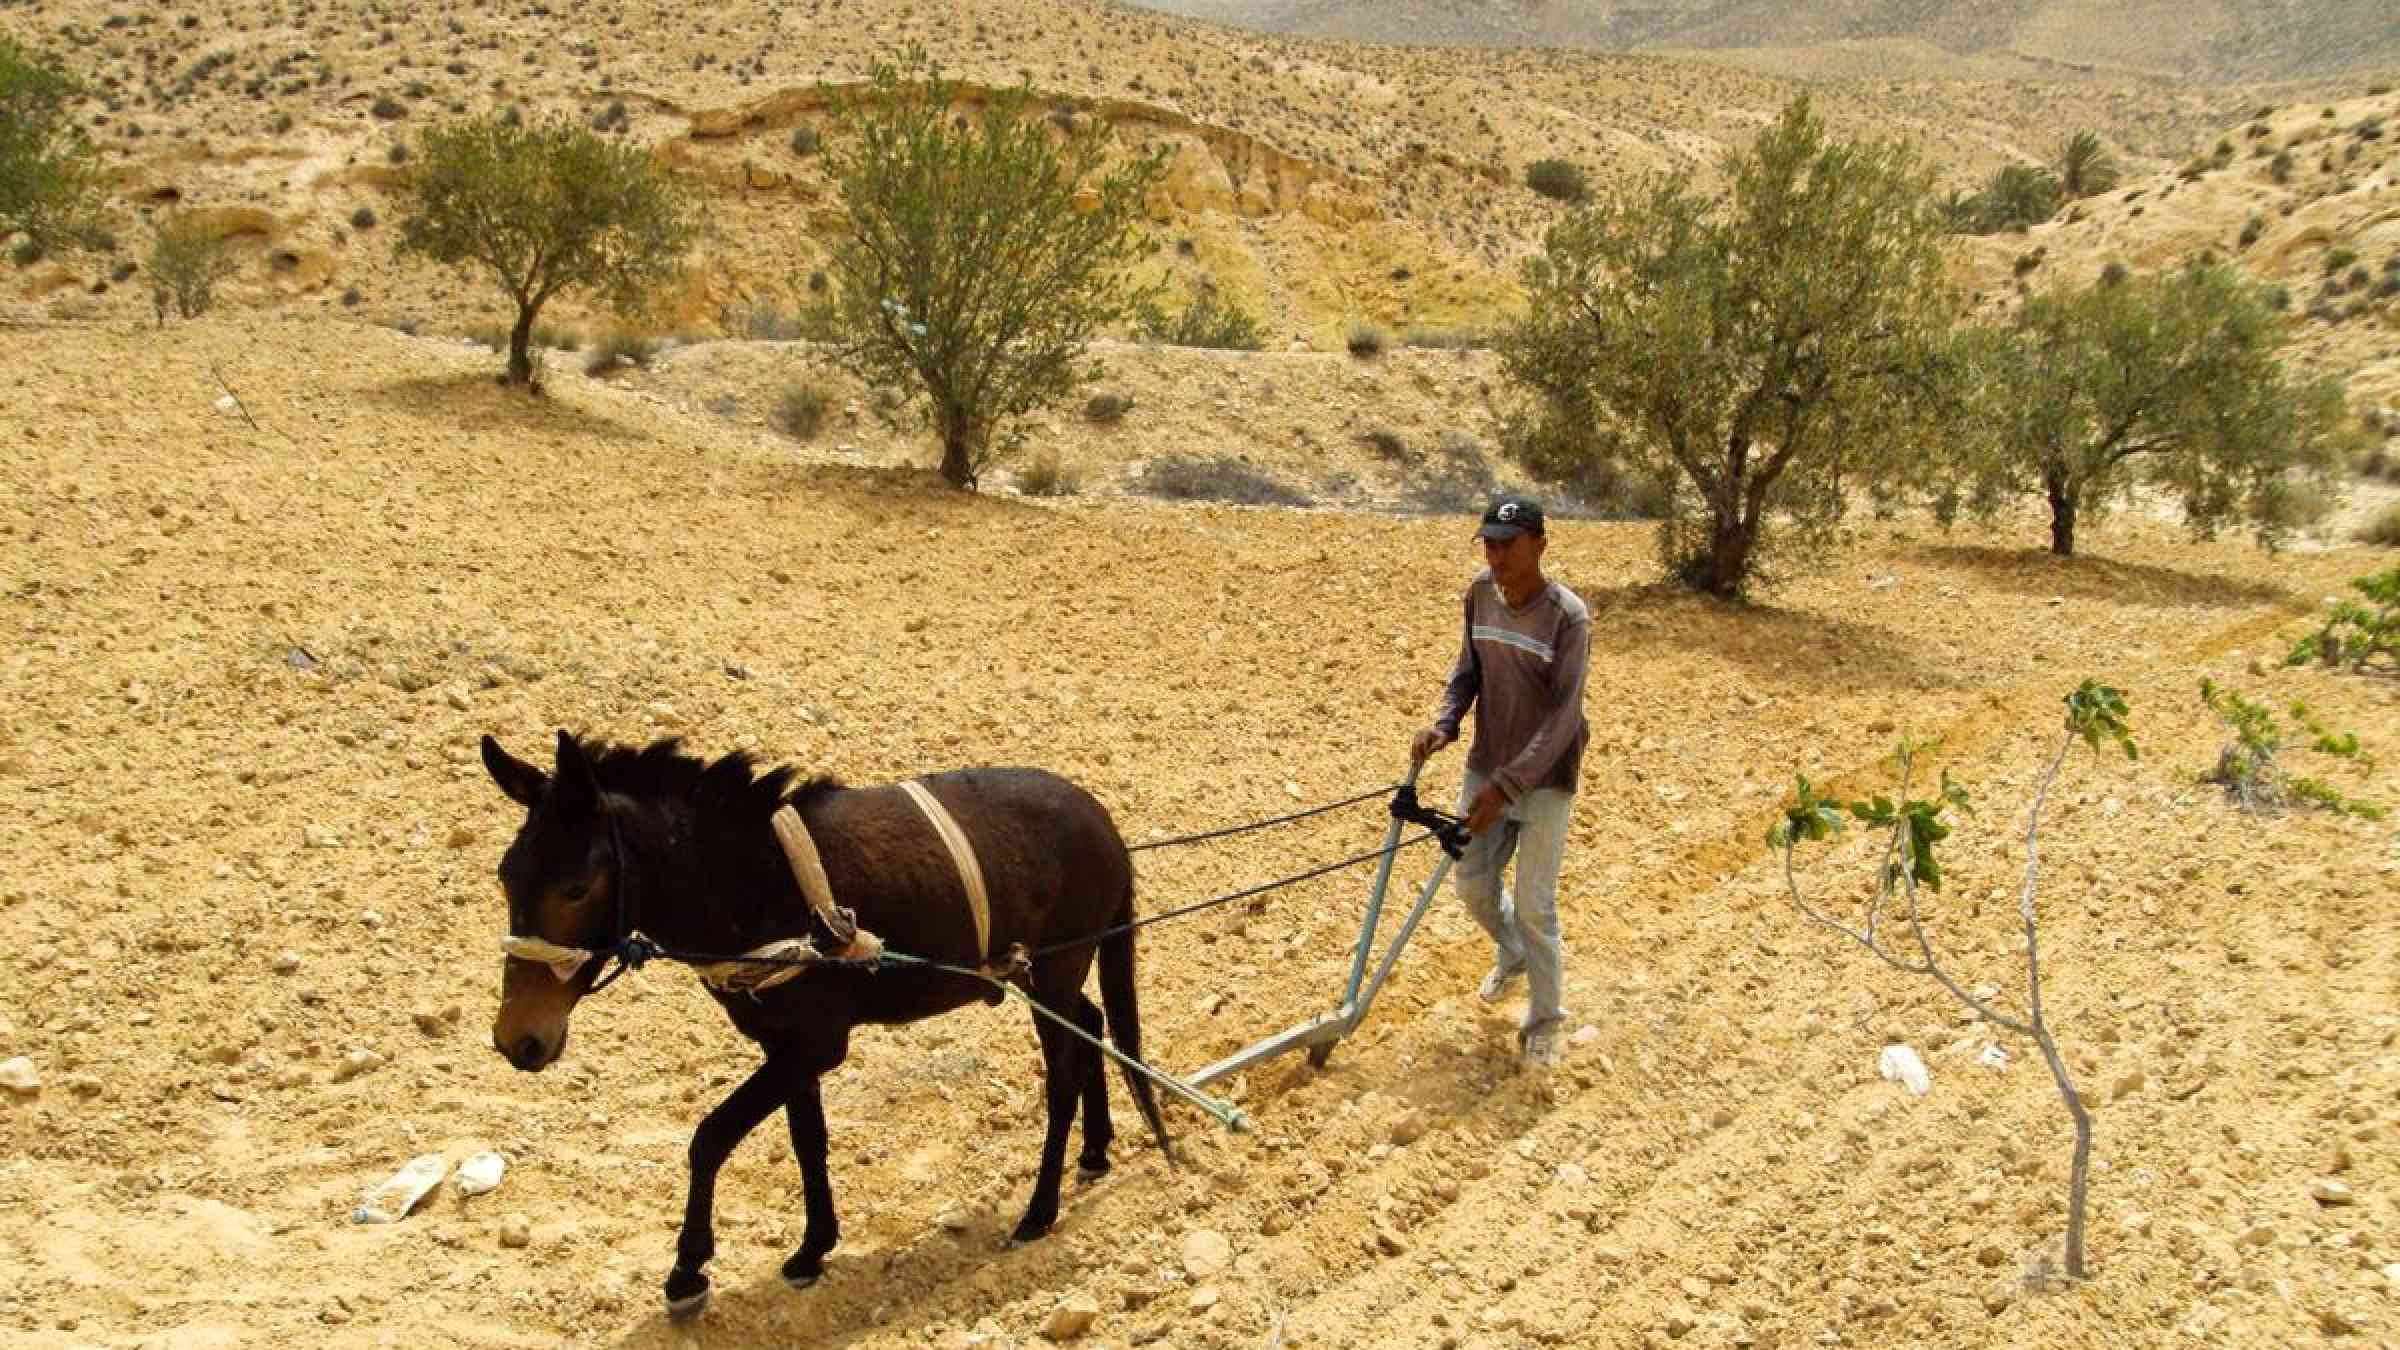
x,y
2085,166
187,260
51,185
985,250
2249,767
2358,636
546,207
2169,382
1766,351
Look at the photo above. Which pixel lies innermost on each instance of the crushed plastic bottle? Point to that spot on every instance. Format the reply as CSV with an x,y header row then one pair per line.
x,y
1901,1064
480,1173
391,1201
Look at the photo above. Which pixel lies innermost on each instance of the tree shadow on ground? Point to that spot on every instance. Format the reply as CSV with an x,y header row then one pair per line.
x,y
1805,650
480,403
2040,573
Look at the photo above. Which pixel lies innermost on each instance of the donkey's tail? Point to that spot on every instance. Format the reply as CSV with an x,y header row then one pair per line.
x,y
1124,1012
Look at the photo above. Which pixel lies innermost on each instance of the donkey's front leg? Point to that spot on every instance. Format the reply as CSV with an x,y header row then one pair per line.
x,y
806,1111
735,1117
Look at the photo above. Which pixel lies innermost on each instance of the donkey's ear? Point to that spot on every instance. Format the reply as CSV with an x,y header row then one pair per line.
x,y
577,791
521,781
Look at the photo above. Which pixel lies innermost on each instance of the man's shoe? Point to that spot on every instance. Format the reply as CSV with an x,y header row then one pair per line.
x,y
1544,1049
1497,982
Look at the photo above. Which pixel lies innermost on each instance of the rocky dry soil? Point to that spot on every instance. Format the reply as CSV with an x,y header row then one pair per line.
x,y
248,921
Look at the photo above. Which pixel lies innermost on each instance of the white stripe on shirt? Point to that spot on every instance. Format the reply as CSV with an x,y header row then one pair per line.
x,y
1510,637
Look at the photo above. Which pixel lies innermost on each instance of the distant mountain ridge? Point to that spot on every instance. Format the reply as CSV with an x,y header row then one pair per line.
x,y
2204,40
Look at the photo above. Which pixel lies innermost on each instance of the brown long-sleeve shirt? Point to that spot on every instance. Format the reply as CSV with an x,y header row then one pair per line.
x,y
1522,670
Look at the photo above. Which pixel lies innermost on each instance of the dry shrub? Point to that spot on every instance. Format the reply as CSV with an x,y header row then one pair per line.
x,y
800,410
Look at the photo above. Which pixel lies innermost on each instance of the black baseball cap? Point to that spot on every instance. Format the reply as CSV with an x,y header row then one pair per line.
x,y
1508,517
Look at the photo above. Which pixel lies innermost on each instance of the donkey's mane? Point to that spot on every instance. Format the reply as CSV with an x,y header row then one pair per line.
x,y
732,782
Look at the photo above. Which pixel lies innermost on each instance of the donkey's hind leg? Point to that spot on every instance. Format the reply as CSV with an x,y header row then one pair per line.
x,y
1062,1082
1098,1131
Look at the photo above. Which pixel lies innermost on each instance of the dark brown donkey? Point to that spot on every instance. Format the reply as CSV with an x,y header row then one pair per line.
x,y
617,839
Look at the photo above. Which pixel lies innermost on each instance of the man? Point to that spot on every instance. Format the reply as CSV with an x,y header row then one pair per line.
x,y
1520,664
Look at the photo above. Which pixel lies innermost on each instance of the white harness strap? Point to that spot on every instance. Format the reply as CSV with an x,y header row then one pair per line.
x,y
962,855
785,957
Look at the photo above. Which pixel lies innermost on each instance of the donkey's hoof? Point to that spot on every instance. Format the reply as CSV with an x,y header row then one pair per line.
x,y
686,1308
801,1271
687,1294
1029,1231
1091,1169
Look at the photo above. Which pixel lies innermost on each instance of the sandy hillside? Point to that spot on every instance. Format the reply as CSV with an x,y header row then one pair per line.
x,y
246,861
1319,183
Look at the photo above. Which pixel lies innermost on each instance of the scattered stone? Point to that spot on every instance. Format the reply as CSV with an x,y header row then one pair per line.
x,y
457,698
2338,1322
953,1220
1203,1298
1206,1252
318,836
355,1063
1693,1287
516,1231
1584,1035
2127,1084
1990,1255
460,836
1072,1318
1680,1322
1409,1128
2327,1191
19,1076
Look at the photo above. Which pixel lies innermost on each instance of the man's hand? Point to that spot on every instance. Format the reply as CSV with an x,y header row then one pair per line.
x,y
1427,742
1486,811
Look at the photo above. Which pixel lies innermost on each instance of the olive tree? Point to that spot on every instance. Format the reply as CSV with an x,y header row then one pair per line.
x,y
2169,383
984,250
50,180
1766,351
546,207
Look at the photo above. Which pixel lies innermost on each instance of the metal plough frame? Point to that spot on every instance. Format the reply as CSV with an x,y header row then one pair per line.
x,y
1321,1034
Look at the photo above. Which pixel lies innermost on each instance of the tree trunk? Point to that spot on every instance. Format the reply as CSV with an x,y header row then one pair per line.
x,y
959,448
520,344
2079,1170
2062,519
1731,541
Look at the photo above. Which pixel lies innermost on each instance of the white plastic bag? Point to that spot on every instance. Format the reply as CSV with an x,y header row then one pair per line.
x,y
391,1201
480,1173
1901,1065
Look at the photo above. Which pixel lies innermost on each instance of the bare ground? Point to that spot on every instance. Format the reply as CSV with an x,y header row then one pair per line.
x,y
244,837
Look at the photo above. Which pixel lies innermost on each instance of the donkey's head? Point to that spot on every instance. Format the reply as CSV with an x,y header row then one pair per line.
x,y
557,876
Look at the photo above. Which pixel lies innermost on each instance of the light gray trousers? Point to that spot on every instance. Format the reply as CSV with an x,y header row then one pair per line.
x,y
1522,920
